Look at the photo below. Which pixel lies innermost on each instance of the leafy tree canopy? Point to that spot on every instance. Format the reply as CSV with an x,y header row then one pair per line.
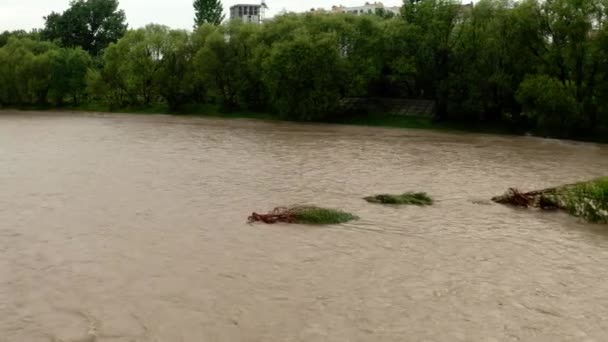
x,y
90,24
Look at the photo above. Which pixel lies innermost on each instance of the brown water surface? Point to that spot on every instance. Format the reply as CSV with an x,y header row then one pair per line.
x,y
132,228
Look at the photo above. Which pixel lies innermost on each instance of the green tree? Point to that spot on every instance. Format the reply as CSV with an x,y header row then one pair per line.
x,y
208,12
399,68
25,71
306,76
4,36
226,65
530,63
132,65
601,88
68,75
550,103
176,78
90,24
359,43
489,63
145,66
432,28
565,38
218,66
34,72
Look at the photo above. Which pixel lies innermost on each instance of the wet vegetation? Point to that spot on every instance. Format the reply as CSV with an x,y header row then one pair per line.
x,y
525,66
587,200
408,198
303,215
316,215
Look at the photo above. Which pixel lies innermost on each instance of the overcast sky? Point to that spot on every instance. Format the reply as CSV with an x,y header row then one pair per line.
x,y
27,14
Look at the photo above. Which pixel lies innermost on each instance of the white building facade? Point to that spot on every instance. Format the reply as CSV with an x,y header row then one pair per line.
x,y
367,8
248,13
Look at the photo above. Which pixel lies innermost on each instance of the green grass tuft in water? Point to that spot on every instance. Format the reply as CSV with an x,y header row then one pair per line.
x,y
317,215
408,198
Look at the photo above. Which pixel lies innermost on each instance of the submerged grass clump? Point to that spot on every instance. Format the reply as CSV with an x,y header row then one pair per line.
x,y
408,198
316,215
303,215
588,200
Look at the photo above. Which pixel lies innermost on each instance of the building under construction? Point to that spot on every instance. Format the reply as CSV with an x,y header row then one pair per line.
x,y
248,13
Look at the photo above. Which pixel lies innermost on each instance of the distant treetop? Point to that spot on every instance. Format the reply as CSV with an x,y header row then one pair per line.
x,y
208,12
90,24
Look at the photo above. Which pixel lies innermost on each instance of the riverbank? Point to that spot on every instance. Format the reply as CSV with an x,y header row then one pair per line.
x,y
376,120
387,120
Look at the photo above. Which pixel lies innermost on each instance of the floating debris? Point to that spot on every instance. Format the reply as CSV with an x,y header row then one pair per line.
x,y
516,198
588,200
303,215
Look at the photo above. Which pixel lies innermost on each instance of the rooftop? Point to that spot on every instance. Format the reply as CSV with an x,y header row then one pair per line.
x,y
254,5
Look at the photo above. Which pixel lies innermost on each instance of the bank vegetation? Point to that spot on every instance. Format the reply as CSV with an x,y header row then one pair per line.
x,y
530,65
587,200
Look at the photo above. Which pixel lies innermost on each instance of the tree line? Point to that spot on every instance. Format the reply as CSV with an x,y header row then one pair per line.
x,y
527,64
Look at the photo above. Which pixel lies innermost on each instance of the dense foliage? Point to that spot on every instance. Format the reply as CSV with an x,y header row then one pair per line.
x,y
35,72
4,36
528,65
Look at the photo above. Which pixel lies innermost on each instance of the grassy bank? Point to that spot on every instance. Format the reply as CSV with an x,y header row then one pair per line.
x,y
206,110
372,120
421,122
216,111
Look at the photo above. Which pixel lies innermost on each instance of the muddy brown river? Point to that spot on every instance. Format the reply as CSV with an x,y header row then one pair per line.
x,y
124,228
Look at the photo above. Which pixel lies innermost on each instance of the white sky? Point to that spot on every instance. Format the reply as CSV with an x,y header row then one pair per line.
x,y
27,14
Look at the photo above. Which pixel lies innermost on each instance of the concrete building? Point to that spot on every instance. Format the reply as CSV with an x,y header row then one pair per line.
x,y
248,13
368,8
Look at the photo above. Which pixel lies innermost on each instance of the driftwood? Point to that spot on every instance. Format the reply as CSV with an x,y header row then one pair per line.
x,y
280,214
588,200
515,197
545,199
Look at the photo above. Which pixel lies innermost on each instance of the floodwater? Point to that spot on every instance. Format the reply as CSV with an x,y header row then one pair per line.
x,y
133,228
